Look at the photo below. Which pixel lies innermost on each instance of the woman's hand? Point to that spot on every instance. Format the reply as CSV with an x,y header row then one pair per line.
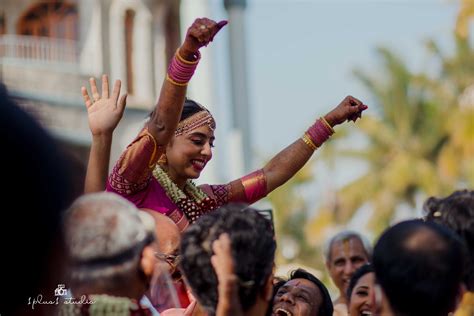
x,y
104,112
200,34
349,109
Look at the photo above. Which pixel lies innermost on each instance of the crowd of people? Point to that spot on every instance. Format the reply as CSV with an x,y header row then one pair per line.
x,y
154,243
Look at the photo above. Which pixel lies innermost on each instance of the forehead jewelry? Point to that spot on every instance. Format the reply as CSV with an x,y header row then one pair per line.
x,y
197,120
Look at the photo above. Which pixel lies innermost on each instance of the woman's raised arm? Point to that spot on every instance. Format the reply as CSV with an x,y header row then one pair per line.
x,y
290,160
166,114
103,113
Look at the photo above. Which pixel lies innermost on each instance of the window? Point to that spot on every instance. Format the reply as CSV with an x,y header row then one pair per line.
x,y
57,19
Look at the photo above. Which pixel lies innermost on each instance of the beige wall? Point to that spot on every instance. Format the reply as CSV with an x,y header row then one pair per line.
x,y
52,91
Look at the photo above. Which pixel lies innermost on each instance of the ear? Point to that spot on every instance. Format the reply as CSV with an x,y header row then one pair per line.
x,y
268,288
147,261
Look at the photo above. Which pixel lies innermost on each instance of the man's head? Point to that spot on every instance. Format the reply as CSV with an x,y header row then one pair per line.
x,y
253,251
168,240
457,213
302,295
345,253
108,240
419,266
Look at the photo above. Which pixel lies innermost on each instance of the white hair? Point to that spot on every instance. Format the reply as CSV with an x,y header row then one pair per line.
x,y
343,236
103,226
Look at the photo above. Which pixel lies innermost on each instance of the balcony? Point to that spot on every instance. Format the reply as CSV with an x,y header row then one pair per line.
x,y
45,77
41,51
41,68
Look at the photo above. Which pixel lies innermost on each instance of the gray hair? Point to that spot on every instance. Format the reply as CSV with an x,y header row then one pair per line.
x,y
104,235
344,236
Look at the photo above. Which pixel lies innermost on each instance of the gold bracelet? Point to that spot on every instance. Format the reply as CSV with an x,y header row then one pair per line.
x,y
187,61
176,83
307,140
327,124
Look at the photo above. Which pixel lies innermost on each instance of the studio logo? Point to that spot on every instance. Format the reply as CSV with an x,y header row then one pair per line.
x,y
61,297
60,290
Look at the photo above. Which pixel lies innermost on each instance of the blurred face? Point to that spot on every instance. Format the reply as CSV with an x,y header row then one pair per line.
x,y
362,297
167,251
189,153
298,297
345,257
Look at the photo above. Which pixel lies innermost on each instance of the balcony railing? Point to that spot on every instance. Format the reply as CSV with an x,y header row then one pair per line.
x,y
43,50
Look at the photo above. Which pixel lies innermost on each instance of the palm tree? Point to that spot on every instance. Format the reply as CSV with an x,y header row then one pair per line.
x,y
291,215
462,22
421,140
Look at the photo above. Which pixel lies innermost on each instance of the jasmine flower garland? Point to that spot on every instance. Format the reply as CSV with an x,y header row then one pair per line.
x,y
193,202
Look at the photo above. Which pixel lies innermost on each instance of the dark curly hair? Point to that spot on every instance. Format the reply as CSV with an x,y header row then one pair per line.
x,y
253,250
456,212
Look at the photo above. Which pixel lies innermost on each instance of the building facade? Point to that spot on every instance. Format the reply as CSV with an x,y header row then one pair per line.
x,y
49,49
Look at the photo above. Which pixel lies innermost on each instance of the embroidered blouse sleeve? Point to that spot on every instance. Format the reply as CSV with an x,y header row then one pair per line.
x,y
248,189
133,170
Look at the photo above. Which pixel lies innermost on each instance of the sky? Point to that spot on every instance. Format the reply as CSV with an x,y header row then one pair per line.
x,y
301,55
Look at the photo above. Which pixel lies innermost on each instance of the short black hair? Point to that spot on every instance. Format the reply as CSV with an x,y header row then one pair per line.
x,y
419,266
456,212
253,250
359,273
326,308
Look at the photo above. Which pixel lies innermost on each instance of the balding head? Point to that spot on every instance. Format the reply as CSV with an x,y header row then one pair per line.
x,y
104,225
166,231
108,240
419,266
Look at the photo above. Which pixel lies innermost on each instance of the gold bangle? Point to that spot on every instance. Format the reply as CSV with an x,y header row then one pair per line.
x,y
187,61
307,140
176,83
327,124
311,141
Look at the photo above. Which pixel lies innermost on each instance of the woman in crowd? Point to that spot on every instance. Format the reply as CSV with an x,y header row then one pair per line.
x,y
360,293
456,212
157,168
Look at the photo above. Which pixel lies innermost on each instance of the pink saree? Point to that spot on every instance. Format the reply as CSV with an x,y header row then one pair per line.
x,y
132,178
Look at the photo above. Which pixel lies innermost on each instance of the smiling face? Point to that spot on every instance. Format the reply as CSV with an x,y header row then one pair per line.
x,y
362,297
345,257
297,297
188,154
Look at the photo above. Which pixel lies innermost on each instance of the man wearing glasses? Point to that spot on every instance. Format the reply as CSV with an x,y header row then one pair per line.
x,y
167,254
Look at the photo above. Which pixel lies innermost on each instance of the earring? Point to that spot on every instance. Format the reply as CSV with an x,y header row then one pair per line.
x,y
163,159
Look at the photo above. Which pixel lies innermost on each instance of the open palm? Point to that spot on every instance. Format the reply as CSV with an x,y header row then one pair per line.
x,y
104,112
